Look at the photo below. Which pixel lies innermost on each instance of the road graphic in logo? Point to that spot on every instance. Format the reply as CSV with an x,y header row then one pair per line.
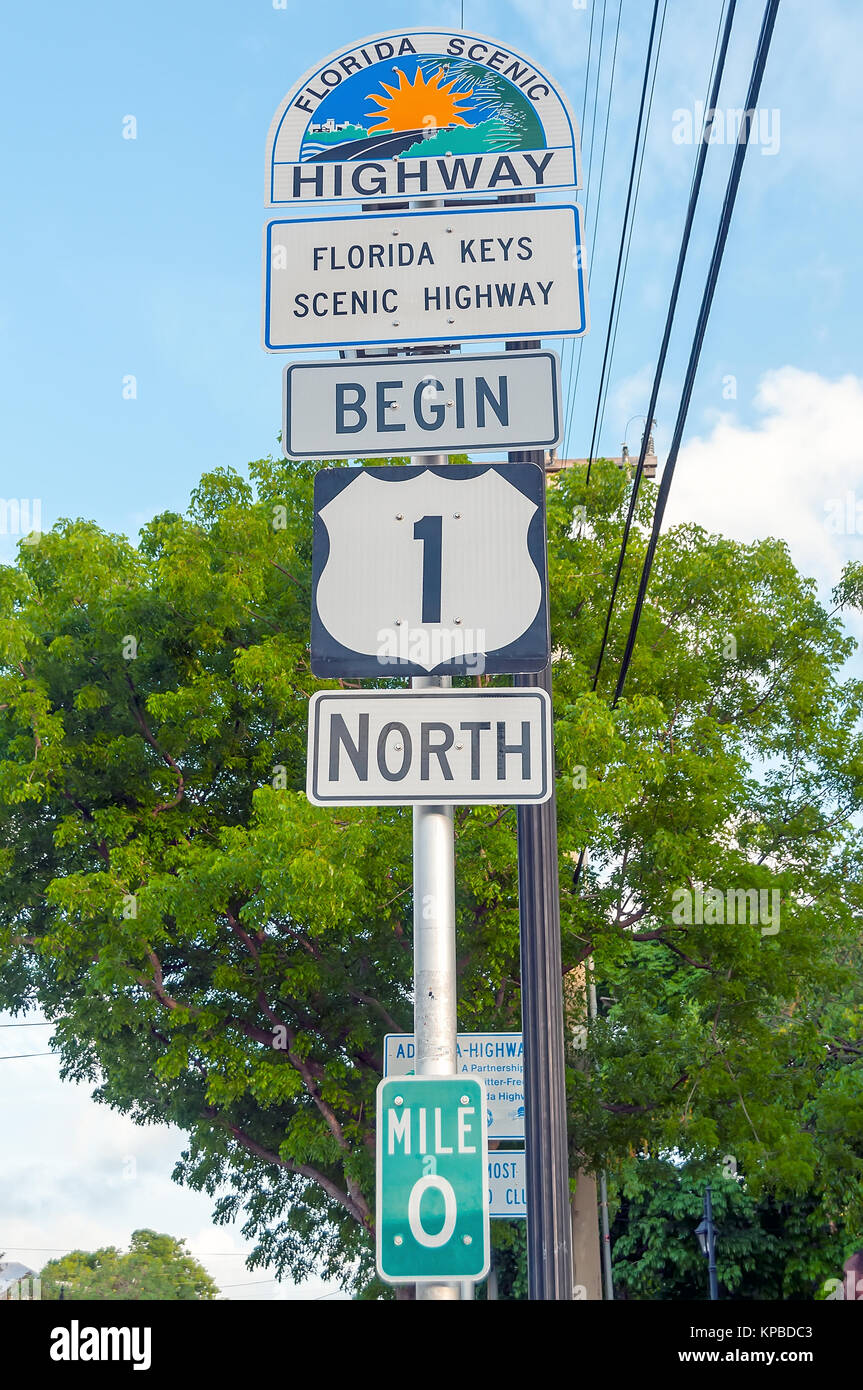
x,y
424,104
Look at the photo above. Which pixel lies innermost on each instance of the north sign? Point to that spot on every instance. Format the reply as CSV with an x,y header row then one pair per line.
x,y
368,406
451,275
429,747
432,1220
429,571
419,113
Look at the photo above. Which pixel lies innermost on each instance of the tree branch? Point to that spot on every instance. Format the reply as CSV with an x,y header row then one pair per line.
x,y
166,757
360,1213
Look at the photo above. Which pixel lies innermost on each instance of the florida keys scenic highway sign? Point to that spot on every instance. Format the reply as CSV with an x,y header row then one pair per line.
x,y
419,113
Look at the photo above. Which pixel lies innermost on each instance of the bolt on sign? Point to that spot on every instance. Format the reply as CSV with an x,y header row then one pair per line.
x,y
432,1217
429,571
421,113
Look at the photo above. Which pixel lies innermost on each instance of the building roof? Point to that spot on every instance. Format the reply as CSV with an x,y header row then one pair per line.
x,y
12,1271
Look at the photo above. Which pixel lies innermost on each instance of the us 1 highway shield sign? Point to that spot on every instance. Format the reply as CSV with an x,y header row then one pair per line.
x,y
429,571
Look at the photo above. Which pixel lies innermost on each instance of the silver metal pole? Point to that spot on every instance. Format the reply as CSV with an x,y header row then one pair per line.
x,y
434,931
435,1006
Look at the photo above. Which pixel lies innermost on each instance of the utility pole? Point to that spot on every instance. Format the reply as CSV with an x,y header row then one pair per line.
x,y
549,1231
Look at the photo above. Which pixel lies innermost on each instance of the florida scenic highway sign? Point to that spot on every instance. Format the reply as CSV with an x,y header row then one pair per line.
x,y
420,113
430,405
432,1217
429,571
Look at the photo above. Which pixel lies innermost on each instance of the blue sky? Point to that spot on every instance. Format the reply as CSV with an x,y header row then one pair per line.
x,y
142,258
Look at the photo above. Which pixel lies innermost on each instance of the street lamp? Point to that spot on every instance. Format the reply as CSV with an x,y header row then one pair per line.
x,y
706,1233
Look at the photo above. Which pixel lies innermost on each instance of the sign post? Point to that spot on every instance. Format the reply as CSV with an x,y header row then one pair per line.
x,y
437,571
435,988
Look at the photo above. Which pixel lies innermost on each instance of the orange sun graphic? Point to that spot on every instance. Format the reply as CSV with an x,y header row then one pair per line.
x,y
412,106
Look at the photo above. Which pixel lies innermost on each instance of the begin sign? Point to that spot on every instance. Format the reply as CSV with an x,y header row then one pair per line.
x,y
422,405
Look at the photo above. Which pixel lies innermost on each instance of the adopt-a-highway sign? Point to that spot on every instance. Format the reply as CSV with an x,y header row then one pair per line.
x,y
498,1058
432,1217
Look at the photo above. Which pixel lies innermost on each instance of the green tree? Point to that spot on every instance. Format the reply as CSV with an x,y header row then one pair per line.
x,y
765,1249
217,953
154,1267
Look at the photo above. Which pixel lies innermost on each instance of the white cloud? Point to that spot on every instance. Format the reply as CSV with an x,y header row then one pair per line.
x,y
78,1175
796,474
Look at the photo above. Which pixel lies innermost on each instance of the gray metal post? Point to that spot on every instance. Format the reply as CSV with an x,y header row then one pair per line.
x,y
549,1229
435,1004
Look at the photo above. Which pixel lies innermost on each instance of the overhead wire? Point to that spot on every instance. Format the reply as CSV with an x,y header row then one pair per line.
x,y
564,341
742,145
19,1056
587,180
714,82
591,255
694,191
625,224
632,224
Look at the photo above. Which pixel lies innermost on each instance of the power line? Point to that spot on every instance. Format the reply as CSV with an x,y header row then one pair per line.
x,y
69,1249
19,1056
573,394
715,78
755,80
43,1023
624,226
695,188
632,222
569,398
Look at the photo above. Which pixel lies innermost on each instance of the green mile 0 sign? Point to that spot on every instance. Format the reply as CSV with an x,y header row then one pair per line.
x,y
432,1169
